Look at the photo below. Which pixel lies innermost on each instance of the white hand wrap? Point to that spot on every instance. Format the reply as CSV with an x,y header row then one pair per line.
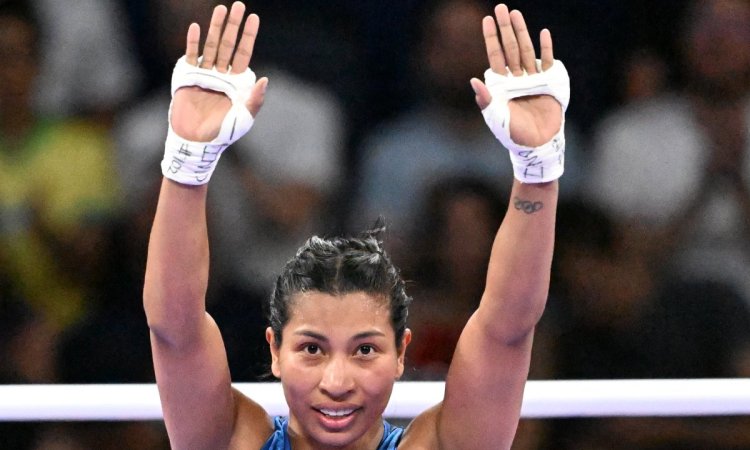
x,y
190,162
530,165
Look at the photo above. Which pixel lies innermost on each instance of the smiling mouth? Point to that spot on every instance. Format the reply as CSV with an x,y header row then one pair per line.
x,y
336,413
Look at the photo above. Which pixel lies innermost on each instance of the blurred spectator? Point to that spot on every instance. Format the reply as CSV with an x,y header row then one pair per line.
x,y
26,356
28,344
110,344
618,317
57,193
674,170
104,436
649,325
453,240
646,76
86,62
441,137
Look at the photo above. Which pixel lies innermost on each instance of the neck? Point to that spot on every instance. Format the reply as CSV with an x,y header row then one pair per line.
x,y
368,441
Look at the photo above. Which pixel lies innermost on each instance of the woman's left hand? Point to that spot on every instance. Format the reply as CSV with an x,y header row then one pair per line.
x,y
535,119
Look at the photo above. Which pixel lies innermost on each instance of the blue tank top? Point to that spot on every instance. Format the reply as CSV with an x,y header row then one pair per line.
x,y
279,440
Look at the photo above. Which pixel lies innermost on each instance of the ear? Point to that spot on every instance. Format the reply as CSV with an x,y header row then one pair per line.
x,y
405,340
271,339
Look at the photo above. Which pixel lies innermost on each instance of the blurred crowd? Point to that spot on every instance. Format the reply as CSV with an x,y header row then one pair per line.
x,y
369,113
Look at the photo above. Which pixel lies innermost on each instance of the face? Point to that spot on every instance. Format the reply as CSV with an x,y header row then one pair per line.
x,y
337,363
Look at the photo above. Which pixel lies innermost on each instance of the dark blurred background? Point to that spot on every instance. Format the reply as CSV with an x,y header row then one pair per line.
x,y
369,112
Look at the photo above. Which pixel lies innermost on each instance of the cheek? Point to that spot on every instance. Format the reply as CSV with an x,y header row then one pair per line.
x,y
377,382
298,379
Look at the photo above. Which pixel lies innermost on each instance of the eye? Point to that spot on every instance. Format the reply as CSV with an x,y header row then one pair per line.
x,y
366,350
312,349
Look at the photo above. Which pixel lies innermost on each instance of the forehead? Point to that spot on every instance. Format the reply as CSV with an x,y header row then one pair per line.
x,y
352,311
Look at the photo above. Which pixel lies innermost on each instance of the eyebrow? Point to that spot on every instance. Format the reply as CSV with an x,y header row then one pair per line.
x,y
356,337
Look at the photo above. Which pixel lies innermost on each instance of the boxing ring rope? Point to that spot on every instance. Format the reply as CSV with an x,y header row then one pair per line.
x,y
542,399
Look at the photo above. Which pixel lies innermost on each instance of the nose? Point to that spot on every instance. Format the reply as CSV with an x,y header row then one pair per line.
x,y
337,381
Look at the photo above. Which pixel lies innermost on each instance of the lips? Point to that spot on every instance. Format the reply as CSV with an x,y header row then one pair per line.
x,y
336,412
336,419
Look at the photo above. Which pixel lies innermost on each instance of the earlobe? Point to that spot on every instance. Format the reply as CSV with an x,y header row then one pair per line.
x,y
271,339
405,340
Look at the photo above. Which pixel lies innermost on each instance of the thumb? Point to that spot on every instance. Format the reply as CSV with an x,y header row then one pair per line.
x,y
257,96
483,96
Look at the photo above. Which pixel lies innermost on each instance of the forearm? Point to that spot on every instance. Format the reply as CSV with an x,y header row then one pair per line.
x,y
177,264
520,263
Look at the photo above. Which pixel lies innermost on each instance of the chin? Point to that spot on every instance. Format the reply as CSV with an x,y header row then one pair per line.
x,y
337,439
340,438
329,440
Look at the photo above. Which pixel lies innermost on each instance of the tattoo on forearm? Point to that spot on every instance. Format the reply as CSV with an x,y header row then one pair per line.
x,y
527,206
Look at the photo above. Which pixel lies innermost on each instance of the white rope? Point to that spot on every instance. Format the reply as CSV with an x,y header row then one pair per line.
x,y
542,399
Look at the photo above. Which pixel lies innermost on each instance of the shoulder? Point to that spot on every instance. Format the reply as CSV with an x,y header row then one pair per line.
x,y
422,432
253,428
279,439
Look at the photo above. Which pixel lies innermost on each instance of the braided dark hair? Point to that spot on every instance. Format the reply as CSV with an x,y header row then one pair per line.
x,y
339,266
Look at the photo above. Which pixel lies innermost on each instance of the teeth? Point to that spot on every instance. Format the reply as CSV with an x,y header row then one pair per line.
x,y
337,412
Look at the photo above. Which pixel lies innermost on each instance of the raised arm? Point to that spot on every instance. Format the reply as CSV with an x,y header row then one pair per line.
x,y
189,357
485,383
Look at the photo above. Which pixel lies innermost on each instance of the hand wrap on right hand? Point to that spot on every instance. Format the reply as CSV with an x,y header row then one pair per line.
x,y
190,162
530,164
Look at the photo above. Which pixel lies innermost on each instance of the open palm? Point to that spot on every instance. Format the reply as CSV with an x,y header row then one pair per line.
x,y
535,119
197,113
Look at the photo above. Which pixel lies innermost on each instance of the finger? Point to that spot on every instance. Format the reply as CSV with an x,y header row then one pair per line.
x,y
508,40
492,43
229,37
525,46
193,41
482,94
257,96
212,38
545,45
247,43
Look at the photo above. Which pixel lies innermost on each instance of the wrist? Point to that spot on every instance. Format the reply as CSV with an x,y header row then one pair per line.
x,y
543,163
539,164
191,162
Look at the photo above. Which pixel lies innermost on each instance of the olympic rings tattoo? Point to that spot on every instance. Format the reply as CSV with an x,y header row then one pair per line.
x,y
527,206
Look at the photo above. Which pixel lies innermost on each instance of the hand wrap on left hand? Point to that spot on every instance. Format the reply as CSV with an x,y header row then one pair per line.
x,y
530,164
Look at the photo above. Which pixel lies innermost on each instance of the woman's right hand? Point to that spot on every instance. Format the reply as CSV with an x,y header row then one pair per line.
x,y
197,113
